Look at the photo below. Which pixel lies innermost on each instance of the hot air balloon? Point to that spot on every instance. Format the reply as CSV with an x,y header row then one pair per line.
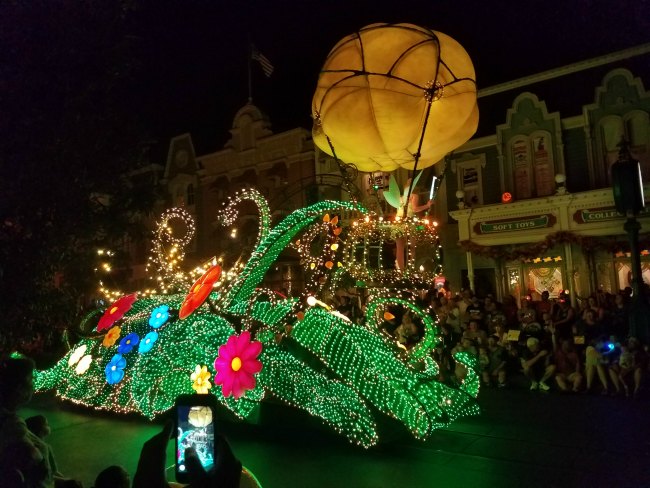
x,y
394,96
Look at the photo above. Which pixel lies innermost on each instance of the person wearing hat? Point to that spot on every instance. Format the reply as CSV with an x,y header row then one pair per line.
x,y
536,364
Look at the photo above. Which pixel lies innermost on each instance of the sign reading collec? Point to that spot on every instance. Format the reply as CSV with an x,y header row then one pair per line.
x,y
515,225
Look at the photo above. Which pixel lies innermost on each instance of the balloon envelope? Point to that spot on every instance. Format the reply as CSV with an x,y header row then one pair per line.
x,y
373,93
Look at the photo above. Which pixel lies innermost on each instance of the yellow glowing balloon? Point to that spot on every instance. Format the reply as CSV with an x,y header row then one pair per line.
x,y
374,91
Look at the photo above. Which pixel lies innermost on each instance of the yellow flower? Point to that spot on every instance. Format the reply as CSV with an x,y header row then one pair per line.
x,y
200,378
112,336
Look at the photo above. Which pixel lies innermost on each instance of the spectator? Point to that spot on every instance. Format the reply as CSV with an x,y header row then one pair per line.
x,y
39,426
510,310
495,368
473,332
23,455
536,364
545,305
407,332
564,318
228,471
631,362
526,314
595,362
113,477
567,366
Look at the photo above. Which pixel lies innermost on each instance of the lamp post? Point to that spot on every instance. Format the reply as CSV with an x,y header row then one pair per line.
x,y
627,185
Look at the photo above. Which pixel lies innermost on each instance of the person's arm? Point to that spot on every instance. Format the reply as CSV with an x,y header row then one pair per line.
x,y
418,208
534,359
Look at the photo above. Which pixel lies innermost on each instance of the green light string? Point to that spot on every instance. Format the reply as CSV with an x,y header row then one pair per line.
x,y
271,247
361,372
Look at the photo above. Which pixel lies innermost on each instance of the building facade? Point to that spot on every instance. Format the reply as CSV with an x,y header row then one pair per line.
x,y
530,196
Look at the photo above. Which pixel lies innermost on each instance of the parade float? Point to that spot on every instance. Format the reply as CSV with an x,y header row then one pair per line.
x,y
388,96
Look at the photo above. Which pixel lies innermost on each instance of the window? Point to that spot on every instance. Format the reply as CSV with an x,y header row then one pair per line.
x,y
190,194
469,173
533,166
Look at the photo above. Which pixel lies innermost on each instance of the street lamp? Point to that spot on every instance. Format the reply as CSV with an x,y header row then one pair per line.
x,y
627,185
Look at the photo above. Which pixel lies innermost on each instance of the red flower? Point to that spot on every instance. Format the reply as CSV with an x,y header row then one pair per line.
x,y
116,311
200,291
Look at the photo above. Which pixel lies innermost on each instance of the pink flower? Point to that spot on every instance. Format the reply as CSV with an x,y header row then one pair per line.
x,y
236,364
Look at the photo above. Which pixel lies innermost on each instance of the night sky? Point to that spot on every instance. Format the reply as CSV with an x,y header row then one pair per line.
x,y
201,48
192,72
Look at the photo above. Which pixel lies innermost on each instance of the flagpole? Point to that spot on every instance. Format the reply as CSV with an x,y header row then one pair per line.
x,y
250,83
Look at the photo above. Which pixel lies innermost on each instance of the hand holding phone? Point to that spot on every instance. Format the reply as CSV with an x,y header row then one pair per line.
x,y
195,430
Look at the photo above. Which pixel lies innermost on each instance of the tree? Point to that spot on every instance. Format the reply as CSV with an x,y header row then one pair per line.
x,y
70,131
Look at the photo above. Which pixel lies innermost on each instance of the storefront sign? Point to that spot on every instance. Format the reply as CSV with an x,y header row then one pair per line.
x,y
514,225
589,215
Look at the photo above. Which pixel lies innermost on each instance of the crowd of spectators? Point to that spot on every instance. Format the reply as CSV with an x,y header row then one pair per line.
x,y
545,344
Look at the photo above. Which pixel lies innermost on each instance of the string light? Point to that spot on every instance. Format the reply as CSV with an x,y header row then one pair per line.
x,y
352,372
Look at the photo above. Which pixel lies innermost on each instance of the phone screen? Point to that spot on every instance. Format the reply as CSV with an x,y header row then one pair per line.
x,y
195,424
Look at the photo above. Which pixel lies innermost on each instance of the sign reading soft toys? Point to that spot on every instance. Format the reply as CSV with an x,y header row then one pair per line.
x,y
392,93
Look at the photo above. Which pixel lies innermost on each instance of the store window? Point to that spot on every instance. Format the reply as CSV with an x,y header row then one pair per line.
x,y
533,165
469,175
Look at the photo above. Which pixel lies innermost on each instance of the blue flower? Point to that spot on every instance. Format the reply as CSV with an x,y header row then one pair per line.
x,y
115,369
148,342
128,343
159,316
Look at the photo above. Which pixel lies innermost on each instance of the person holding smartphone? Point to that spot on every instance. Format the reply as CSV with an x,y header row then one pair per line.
x,y
200,468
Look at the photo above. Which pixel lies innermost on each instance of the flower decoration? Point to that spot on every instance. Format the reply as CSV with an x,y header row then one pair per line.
x,y
200,378
76,355
128,343
237,363
147,342
115,369
116,311
200,291
84,364
159,316
112,336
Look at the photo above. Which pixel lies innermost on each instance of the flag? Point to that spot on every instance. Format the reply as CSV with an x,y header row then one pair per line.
x,y
267,67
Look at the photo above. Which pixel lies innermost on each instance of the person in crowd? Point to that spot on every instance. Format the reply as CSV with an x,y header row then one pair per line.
x,y
113,477
228,471
40,427
495,367
490,308
24,456
463,303
448,338
407,332
536,364
443,358
475,333
545,305
475,312
526,314
618,324
564,318
452,314
632,362
513,365
509,310
596,363
597,308
567,366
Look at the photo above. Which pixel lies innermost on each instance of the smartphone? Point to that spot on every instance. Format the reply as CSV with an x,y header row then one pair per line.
x,y
195,427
